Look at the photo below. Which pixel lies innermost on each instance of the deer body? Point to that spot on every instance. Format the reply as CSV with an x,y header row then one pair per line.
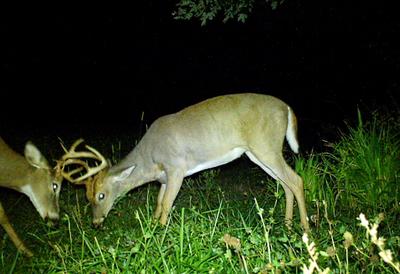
x,y
32,176
205,135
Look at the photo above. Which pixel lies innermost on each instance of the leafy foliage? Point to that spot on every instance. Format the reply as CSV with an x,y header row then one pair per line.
x,y
207,10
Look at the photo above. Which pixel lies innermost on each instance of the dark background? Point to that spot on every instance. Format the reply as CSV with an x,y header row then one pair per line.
x,y
95,71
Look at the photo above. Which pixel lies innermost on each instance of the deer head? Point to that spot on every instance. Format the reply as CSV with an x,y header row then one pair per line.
x,y
82,173
32,175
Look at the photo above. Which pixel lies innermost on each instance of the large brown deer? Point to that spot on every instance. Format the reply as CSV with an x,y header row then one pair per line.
x,y
202,136
32,176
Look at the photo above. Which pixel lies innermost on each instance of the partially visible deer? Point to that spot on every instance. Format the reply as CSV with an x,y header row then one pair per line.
x,y
202,136
32,176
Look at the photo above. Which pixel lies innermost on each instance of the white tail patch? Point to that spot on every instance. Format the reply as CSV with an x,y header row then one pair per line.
x,y
291,132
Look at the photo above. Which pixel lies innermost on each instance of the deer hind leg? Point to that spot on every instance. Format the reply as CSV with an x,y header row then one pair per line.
x,y
5,223
173,185
289,204
276,167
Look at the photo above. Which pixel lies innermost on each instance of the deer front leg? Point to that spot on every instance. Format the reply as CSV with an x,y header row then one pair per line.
x,y
5,223
160,197
172,188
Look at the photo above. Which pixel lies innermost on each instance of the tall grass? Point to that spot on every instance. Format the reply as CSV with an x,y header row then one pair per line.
x,y
366,163
360,172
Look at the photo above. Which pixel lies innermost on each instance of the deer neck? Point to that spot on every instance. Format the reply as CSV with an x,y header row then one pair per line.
x,y
145,170
17,177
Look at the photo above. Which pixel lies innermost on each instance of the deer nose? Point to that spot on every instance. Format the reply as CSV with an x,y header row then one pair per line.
x,y
98,222
52,220
54,216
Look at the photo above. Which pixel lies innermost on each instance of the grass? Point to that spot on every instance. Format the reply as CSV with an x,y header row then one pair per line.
x,y
230,219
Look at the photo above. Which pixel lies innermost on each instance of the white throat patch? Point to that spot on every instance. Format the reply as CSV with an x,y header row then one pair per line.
x,y
27,190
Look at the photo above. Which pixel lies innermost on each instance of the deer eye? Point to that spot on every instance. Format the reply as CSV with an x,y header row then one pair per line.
x,y
101,196
55,186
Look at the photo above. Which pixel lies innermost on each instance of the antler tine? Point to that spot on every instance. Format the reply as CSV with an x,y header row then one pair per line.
x,y
68,175
94,170
75,144
98,154
72,153
71,157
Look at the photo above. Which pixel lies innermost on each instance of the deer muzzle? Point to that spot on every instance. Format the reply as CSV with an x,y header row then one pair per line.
x,y
52,218
98,222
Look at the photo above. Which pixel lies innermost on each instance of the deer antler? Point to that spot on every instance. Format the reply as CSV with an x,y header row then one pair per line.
x,y
72,156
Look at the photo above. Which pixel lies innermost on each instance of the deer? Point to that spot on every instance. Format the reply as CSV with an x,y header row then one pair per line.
x,y
202,136
31,175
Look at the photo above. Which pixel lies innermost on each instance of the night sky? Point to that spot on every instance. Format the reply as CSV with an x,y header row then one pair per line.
x,y
101,68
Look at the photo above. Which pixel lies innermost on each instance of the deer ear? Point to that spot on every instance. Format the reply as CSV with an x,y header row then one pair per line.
x,y
34,156
125,173
90,190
